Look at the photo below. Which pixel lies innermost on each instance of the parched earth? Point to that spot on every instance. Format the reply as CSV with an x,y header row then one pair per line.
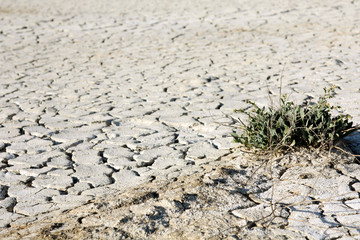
x,y
296,196
115,118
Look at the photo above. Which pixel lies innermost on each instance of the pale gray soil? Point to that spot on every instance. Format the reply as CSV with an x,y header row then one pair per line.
x,y
99,97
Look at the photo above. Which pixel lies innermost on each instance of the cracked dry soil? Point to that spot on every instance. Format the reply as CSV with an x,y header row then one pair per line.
x,y
233,198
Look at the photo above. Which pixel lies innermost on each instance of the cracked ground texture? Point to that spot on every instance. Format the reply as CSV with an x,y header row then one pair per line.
x,y
101,97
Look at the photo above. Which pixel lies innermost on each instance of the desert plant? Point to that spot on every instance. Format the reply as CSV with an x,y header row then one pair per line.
x,y
291,126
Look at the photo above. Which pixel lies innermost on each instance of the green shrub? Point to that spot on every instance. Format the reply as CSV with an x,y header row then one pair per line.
x,y
291,126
